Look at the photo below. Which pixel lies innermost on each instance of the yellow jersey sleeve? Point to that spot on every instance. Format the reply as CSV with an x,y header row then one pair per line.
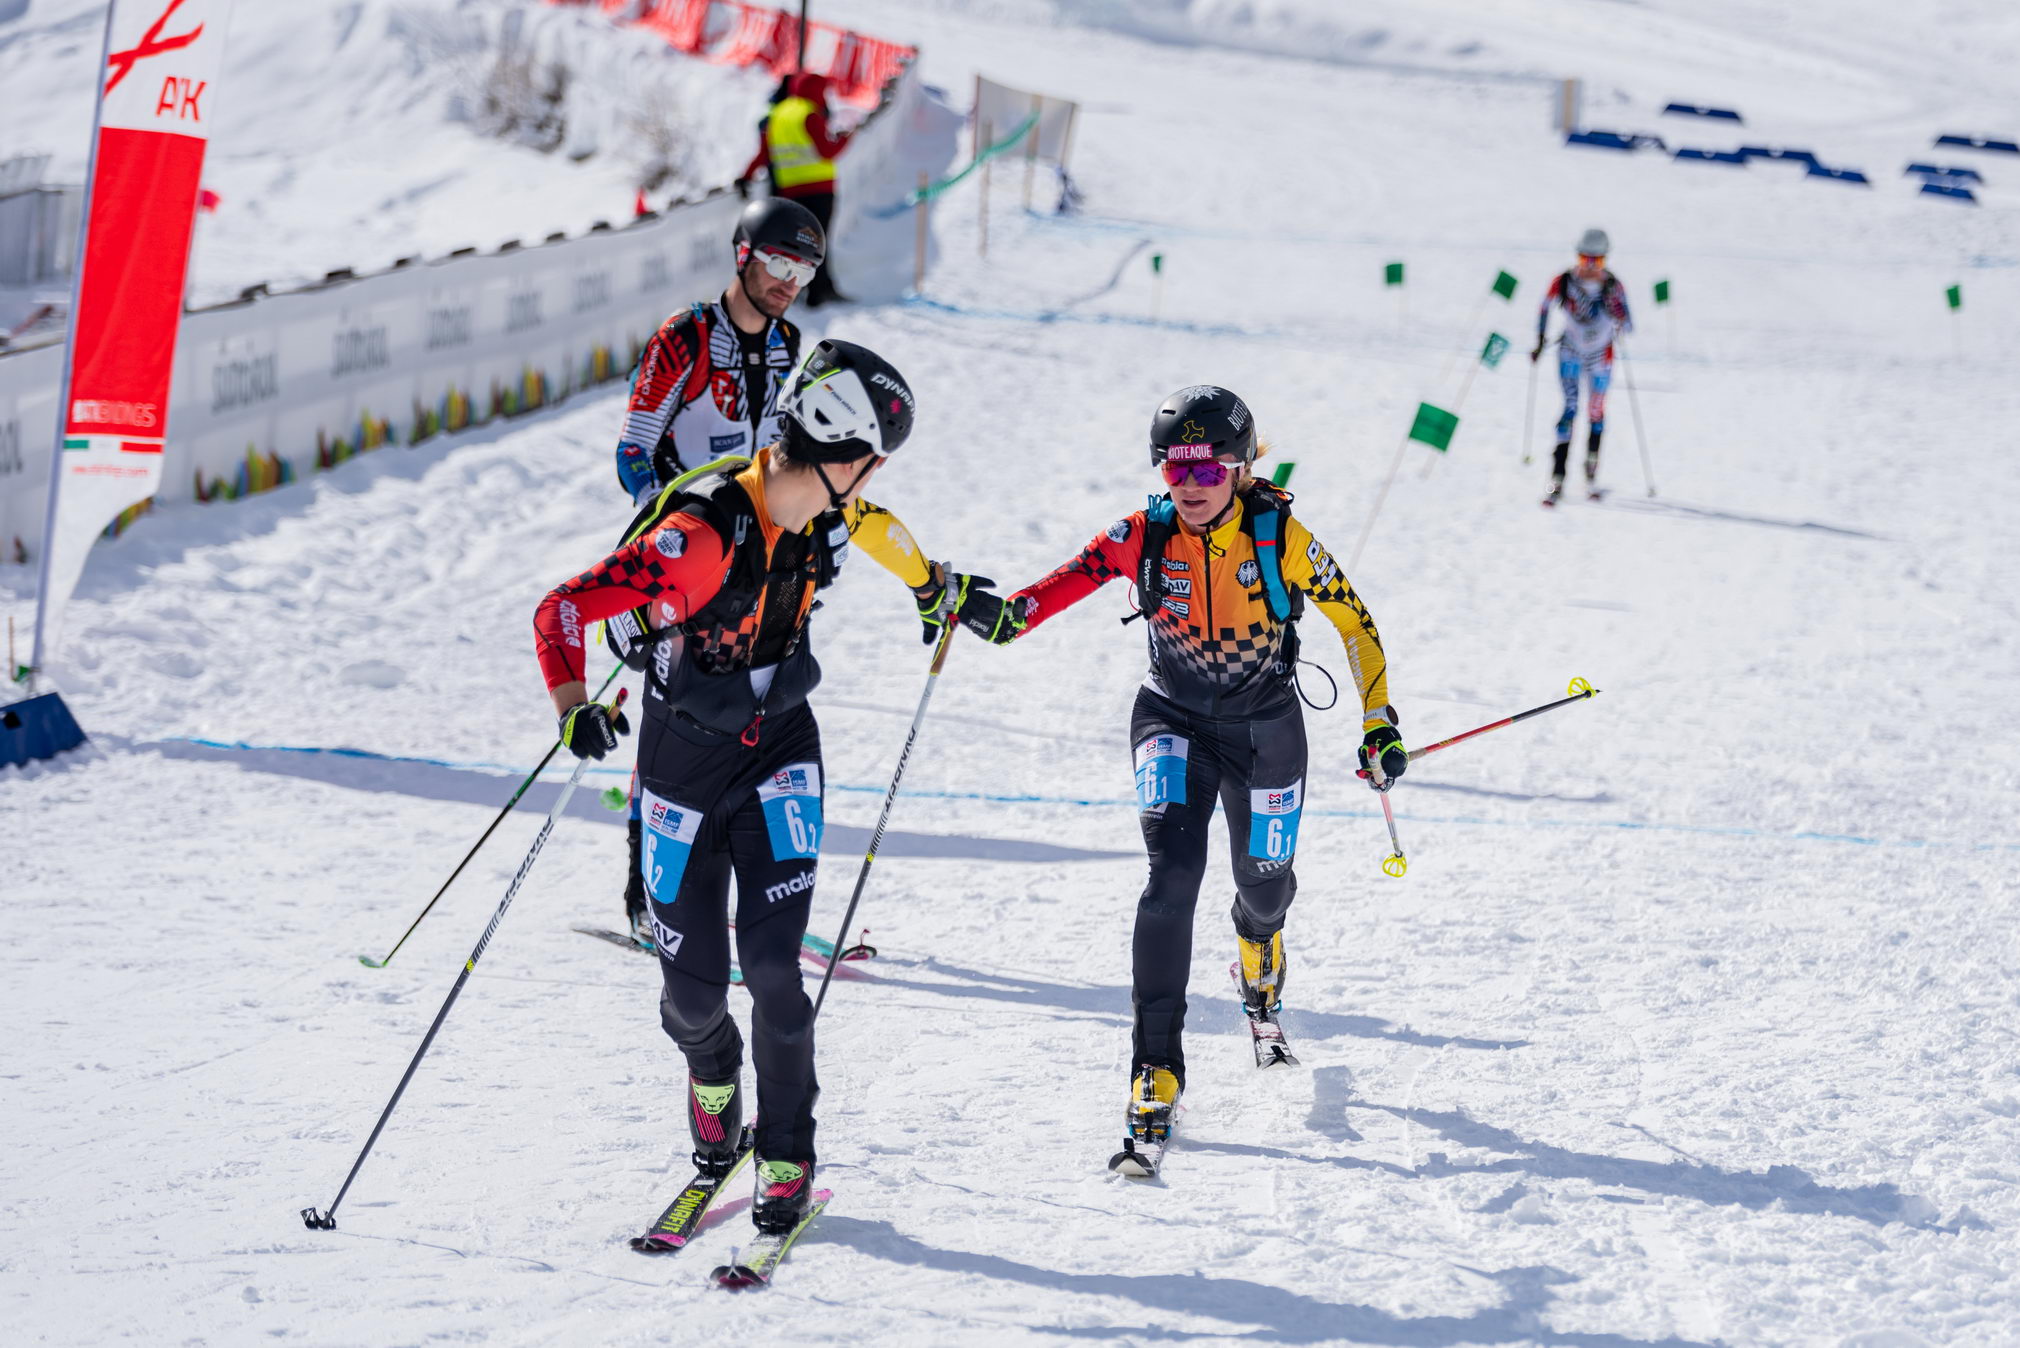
x,y
888,542
1307,566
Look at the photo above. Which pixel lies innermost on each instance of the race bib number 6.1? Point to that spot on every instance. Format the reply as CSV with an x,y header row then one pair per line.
x,y
1160,771
791,798
1273,821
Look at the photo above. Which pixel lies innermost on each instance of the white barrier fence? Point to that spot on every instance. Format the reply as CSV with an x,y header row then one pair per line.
x,y
274,387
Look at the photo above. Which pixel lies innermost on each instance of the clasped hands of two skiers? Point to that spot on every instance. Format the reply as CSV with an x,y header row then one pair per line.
x,y
591,729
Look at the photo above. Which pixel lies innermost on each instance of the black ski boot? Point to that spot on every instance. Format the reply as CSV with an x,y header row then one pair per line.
x,y
715,1122
1592,464
785,1190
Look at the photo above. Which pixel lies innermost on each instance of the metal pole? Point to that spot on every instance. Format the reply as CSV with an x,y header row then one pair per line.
x,y
1529,413
36,652
801,63
1640,436
1031,146
884,817
982,212
919,240
1380,497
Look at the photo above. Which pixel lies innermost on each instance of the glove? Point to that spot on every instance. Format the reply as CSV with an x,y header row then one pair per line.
x,y
590,729
943,596
993,618
1385,743
743,188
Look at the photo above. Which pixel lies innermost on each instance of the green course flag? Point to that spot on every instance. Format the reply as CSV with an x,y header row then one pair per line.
x,y
1156,263
1662,292
1955,294
1434,427
1392,274
1497,347
1504,286
1282,476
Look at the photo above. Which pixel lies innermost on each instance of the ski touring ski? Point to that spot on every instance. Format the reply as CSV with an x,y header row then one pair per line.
x,y
683,1217
757,1262
813,949
1139,1159
1271,1048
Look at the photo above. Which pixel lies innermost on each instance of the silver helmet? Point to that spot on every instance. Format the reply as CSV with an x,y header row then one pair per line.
x,y
1594,243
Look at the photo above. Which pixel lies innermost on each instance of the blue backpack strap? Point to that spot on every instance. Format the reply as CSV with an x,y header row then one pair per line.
x,y
1269,560
1160,518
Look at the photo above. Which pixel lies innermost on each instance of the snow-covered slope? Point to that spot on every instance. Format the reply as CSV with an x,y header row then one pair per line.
x,y
1692,1022
351,134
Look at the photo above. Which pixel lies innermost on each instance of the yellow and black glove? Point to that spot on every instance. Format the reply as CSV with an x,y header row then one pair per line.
x,y
941,598
590,729
993,618
1384,743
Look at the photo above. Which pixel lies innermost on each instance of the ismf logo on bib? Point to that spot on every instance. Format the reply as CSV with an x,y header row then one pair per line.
x,y
791,798
664,846
1273,822
1160,771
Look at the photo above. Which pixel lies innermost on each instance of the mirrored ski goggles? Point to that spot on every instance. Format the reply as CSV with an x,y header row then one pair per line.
x,y
1592,259
1206,472
784,267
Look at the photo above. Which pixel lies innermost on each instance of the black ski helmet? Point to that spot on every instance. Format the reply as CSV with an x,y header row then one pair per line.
x,y
780,225
1204,415
845,401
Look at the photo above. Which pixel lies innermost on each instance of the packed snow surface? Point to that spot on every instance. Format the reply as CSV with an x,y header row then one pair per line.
x,y
1692,1022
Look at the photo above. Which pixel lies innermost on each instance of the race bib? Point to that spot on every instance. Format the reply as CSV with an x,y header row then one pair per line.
x,y
1160,771
1273,821
792,807
664,845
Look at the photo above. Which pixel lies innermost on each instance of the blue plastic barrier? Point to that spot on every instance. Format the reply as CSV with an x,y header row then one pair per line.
x,y
37,727
1838,175
1953,193
1953,174
1763,152
1712,156
1613,140
1976,143
1692,110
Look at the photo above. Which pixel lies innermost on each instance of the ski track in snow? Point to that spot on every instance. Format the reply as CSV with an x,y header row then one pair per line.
x,y
1595,1073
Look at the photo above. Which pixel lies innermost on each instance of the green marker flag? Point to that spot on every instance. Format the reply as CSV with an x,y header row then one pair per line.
x,y
1434,427
1662,292
1282,476
1156,263
1392,274
1955,294
1504,286
1497,347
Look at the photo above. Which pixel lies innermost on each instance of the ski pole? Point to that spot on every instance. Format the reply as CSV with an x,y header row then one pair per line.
x,y
884,816
1529,415
1579,691
1394,864
326,1220
371,963
1640,435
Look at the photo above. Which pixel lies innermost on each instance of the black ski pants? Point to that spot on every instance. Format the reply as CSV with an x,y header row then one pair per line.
x,y
713,806
1184,761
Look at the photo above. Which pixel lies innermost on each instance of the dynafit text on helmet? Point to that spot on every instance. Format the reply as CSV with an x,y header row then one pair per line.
x,y
1223,571
708,383
709,595
1594,304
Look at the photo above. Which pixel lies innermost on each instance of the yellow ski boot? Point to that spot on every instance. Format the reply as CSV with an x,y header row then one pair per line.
x,y
1259,975
1153,1107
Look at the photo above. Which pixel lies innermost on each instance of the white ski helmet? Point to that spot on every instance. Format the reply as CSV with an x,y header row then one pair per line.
x,y
1594,243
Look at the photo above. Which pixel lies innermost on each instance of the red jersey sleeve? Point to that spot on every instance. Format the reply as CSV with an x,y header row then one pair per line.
x,y
817,128
1113,552
674,569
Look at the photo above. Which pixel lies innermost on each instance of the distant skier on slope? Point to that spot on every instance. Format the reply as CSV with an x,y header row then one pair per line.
x,y
1595,314
708,384
713,598
1223,570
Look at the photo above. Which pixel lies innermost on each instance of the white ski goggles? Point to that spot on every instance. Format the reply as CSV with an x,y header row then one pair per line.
x,y
783,267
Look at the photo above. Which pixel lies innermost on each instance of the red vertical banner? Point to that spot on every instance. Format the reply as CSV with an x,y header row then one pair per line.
x,y
157,95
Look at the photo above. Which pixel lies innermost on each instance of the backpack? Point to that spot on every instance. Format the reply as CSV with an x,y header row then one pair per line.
x,y
712,494
1265,511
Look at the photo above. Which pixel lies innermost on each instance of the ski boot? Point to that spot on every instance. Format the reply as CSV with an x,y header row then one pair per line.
x,y
637,913
1153,1096
1592,491
1262,975
785,1190
1556,492
715,1122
